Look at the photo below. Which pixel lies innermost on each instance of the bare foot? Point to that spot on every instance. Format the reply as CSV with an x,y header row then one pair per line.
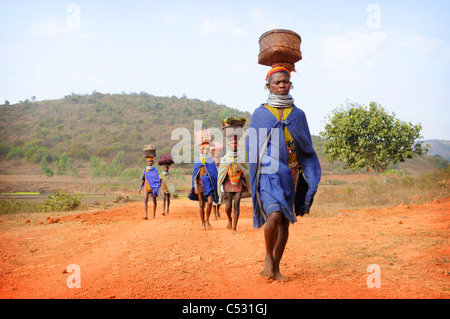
x,y
279,277
235,232
204,226
267,272
208,225
229,224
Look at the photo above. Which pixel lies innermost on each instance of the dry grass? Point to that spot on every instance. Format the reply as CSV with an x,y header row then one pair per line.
x,y
394,191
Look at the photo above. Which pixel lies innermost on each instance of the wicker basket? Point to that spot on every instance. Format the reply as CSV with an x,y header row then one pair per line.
x,y
231,130
204,136
233,126
279,45
149,151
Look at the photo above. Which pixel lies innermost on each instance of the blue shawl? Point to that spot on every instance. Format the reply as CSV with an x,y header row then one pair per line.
x,y
152,180
209,181
272,185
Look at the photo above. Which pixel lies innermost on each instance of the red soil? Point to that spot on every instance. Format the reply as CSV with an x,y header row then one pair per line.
x,y
121,255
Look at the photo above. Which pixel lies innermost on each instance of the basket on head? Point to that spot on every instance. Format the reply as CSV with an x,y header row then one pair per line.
x,y
149,151
204,136
165,159
279,45
233,126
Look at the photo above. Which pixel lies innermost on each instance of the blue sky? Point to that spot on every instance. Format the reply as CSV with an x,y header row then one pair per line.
x,y
396,53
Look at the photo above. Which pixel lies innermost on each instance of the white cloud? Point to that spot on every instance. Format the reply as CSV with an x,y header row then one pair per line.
x,y
420,45
257,15
50,27
221,24
348,50
444,58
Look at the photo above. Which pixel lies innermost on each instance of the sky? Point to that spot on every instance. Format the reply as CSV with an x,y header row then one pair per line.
x,y
395,53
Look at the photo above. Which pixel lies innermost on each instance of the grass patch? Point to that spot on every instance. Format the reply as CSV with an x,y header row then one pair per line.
x,y
21,193
394,191
332,182
15,206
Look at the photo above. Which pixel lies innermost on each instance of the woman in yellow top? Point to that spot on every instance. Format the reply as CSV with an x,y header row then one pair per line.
x,y
204,184
284,168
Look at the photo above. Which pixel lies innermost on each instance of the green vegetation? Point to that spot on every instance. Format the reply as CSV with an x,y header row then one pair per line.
x,y
99,168
16,206
100,125
59,201
45,169
370,137
101,136
84,134
396,190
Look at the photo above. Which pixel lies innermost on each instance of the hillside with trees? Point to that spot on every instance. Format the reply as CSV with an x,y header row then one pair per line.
x,y
101,125
105,133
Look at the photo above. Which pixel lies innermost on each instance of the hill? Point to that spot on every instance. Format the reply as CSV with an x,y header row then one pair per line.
x,y
439,148
101,126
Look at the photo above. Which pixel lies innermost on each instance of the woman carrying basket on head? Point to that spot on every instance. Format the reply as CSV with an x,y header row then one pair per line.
x,y
204,184
150,184
168,186
234,179
284,168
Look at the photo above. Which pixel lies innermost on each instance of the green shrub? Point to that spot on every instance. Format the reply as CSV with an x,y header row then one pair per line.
x,y
64,164
45,169
59,201
15,151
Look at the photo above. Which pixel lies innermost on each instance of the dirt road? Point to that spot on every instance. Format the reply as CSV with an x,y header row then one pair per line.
x,y
121,255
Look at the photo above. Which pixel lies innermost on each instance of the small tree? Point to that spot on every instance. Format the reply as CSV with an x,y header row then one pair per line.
x,y
370,137
44,167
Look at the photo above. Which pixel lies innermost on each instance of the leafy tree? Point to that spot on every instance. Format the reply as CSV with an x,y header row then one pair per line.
x,y
15,151
44,167
5,147
64,164
95,167
370,137
101,169
36,153
78,153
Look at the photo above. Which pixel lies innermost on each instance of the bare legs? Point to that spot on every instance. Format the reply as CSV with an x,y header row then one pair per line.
x,y
276,233
204,214
232,222
216,209
146,196
166,198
